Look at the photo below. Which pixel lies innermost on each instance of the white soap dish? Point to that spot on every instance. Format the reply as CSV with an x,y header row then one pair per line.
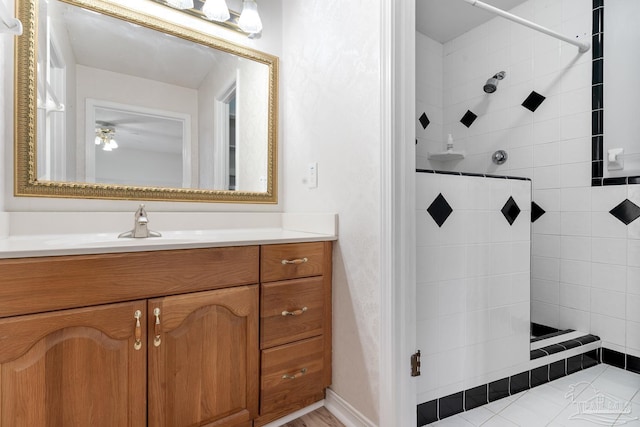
x,y
446,156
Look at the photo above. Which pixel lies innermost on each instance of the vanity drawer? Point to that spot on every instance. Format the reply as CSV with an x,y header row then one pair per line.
x,y
291,373
291,310
291,261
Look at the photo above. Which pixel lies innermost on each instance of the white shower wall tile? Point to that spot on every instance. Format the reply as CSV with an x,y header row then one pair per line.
x,y
481,283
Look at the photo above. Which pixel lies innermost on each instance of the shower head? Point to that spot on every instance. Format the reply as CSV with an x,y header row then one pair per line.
x,y
492,84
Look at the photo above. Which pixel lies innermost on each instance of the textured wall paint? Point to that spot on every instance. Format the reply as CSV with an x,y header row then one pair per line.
x,y
331,112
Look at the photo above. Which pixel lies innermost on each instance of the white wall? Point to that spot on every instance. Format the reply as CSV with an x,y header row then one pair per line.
x,y
331,112
101,85
472,296
585,268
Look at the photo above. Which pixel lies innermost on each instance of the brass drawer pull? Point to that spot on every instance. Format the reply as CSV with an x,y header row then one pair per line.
x,y
294,376
294,312
137,345
297,261
157,340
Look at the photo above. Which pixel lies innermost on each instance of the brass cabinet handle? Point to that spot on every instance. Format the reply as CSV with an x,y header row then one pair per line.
x,y
137,345
295,312
302,372
157,340
295,261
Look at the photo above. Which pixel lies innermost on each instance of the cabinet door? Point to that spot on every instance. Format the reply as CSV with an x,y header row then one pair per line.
x,y
71,368
203,358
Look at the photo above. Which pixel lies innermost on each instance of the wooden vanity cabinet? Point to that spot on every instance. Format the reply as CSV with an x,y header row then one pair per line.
x,y
295,327
166,338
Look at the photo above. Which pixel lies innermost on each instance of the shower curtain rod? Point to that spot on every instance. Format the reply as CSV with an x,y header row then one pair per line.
x,y
582,46
9,24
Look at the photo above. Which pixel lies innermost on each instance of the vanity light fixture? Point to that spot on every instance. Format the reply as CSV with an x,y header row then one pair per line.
x,y
104,137
180,4
216,10
250,21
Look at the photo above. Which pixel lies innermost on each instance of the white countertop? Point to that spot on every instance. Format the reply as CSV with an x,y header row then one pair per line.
x,y
99,243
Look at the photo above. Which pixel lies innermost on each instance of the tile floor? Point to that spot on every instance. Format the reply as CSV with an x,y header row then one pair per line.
x,y
599,396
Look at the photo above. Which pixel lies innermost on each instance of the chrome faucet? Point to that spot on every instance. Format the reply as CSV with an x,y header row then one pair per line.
x,y
140,226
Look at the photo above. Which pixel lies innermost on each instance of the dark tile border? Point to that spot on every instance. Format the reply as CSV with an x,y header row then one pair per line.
x,y
444,407
597,103
455,403
477,175
564,345
540,331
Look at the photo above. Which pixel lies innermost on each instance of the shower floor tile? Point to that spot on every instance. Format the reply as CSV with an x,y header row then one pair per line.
x,y
599,396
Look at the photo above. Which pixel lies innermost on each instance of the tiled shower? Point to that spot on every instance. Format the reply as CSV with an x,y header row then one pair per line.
x,y
547,115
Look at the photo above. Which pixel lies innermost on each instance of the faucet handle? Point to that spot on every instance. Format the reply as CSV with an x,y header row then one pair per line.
x,y
141,212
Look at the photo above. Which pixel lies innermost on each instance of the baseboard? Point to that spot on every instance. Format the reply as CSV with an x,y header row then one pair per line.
x,y
295,415
343,411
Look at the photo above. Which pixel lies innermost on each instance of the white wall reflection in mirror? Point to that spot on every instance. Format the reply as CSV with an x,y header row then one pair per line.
x,y
167,98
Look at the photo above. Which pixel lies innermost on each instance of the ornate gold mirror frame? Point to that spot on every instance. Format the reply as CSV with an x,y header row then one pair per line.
x,y
26,182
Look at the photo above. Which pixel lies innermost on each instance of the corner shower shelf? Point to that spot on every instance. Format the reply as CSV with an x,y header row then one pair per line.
x,y
446,156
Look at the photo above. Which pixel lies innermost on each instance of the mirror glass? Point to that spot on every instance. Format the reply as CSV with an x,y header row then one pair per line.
x,y
128,103
621,126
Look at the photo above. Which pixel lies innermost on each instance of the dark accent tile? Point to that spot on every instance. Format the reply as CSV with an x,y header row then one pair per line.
x,y
510,210
487,175
537,353
597,168
541,331
574,364
475,397
552,349
597,122
597,72
612,357
596,182
468,118
587,339
598,3
479,175
633,180
597,97
425,171
615,181
450,405
590,358
626,212
598,21
633,364
539,376
498,389
519,382
533,101
439,210
557,370
416,142
597,144
536,212
424,120
427,413
570,344
597,45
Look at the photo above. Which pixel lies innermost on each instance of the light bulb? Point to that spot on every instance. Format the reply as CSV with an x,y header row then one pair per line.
x,y
106,147
216,10
113,144
181,4
249,21
98,140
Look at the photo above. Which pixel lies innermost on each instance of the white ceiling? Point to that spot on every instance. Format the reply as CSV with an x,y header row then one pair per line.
x,y
443,20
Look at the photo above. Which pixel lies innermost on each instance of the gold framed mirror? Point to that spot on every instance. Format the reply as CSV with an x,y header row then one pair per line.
x,y
112,103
